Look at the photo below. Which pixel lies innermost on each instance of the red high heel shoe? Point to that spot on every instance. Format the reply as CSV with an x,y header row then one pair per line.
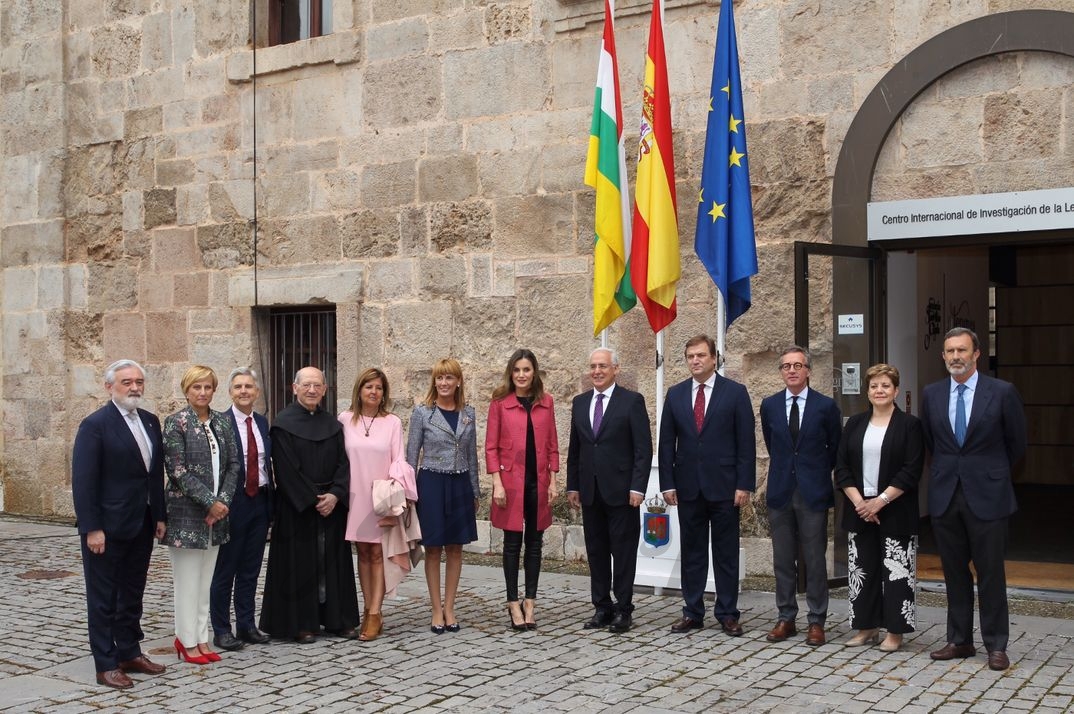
x,y
207,653
181,653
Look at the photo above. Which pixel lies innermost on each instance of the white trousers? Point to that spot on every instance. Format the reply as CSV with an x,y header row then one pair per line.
x,y
192,574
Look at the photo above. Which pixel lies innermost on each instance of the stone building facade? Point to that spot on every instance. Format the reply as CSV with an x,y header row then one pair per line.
x,y
420,169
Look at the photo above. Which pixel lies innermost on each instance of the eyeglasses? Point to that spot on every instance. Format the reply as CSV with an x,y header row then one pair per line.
x,y
796,366
310,387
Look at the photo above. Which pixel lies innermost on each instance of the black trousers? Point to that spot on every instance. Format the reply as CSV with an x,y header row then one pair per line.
x,y
962,537
611,545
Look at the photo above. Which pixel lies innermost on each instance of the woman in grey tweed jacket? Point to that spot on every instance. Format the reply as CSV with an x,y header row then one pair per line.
x,y
201,459
442,448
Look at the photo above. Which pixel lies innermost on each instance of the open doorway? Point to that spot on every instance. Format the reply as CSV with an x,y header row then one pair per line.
x,y
1018,299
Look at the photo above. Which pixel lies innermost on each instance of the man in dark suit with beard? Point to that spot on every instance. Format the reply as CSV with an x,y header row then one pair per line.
x,y
975,429
707,456
117,483
608,462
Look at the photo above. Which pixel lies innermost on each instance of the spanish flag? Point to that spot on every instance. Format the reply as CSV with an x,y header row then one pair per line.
x,y
654,265
605,170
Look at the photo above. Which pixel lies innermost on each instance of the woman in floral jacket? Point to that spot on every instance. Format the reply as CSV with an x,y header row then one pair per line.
x,y
202,464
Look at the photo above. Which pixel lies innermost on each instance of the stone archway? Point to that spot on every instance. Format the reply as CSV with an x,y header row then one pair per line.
x,y
1017,31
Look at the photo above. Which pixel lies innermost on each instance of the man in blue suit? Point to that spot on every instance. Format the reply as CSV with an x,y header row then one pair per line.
x,y
801,429
239,564
707,458
975,429
117,483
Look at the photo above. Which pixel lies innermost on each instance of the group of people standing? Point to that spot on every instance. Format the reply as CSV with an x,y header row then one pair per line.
x,y
971,425
209,484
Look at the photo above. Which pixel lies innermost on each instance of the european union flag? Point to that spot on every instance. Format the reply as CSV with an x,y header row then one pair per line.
x,y
724,239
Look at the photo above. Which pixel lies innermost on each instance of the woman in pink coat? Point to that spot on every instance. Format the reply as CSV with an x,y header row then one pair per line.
x,y
522,455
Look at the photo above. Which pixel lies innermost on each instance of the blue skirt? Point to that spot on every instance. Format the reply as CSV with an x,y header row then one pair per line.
x,y
446,508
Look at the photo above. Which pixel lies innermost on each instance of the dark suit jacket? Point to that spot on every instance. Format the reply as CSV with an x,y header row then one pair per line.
x,y
109,482
618,459
902,455
995,442
262,426
807,464
721,458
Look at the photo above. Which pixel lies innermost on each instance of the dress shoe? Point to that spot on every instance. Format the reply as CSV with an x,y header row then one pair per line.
x,y
997,660
864,637
453,627
518,625
686,624
599,621
372,627
347,633
437,629
204,651
142,665
528,606
731,627
181,652
815,635
782,630
953,651
253,637
891,643
115,679
620,623
228,641
305,638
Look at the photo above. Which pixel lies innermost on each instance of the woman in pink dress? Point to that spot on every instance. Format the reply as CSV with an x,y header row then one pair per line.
x,y
374,443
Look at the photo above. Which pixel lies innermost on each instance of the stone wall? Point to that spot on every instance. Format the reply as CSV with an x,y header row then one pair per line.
x,y
421,168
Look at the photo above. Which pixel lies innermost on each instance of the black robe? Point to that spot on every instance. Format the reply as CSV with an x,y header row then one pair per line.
x,y
310,579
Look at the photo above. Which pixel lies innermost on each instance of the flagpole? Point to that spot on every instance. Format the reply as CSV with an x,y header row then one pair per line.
x,y
721,333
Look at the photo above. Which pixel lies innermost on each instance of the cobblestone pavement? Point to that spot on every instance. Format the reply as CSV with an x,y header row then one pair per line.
x,y
45,664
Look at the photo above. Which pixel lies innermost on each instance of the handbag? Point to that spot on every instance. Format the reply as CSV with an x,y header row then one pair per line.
x,y
389,499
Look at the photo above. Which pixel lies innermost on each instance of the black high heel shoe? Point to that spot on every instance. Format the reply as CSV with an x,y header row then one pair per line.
x,y
436,629
517,626
453,627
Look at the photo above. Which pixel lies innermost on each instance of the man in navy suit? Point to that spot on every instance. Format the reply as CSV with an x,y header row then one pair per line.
x,y
707,457
608,462
117,483
239,563
801,429
975,428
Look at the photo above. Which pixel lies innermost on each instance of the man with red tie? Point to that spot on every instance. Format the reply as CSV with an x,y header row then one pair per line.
x,y
117,482
707,456
239,563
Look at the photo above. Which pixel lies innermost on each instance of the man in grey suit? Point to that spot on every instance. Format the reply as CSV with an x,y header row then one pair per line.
x,y
801,429
975,429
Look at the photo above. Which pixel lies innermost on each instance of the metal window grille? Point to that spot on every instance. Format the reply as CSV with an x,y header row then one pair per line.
x,y
300,337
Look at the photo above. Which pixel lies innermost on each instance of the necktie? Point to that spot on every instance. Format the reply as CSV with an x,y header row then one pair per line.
x,y
598,413
960,415
143,447
699,407
794,422
252,480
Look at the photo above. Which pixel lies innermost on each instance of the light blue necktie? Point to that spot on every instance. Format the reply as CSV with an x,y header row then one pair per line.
x,y
960,415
